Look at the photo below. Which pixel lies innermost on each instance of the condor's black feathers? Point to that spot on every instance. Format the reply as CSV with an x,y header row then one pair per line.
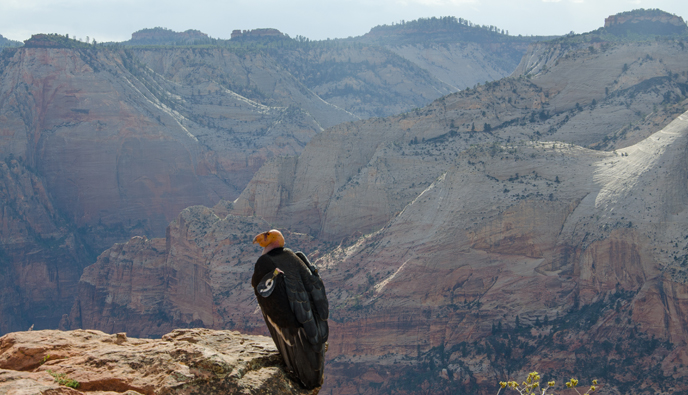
x,y
295,312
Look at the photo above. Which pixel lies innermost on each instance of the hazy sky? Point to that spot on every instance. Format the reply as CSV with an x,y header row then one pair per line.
x,y
115,20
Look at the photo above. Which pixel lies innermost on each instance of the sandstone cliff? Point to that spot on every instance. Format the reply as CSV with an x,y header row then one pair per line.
x,y
198,275
356,177
463,65
560,263
191,361
116,142
366,80
580,261
643,26
41,258
95,153
470,227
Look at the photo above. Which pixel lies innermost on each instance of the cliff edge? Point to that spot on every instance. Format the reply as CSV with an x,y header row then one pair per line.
x,y
184,361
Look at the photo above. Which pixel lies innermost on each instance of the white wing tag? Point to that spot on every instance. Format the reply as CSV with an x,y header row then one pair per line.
x,y
267,284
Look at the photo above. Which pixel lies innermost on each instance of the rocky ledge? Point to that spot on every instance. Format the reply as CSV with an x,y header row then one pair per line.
x,y
185,361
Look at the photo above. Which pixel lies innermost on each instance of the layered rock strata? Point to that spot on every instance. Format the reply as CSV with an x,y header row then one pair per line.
x,y
357,176
480,254
561,263
92,155
118,141
199,275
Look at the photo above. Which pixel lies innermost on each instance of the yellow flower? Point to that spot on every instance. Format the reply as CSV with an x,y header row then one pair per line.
x,y
535,385
574,382
594,382
502,384
592,388
551,383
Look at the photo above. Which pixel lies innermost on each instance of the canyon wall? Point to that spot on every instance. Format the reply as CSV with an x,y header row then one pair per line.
x,y
103,143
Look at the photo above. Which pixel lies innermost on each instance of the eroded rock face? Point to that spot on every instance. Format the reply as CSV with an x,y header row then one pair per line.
x,y
356,177
463,65
113,143
93,153
484,257
199,275
500,264
185,361
41,258
467,249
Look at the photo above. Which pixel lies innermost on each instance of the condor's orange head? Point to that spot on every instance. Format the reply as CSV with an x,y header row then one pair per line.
x,y
269,240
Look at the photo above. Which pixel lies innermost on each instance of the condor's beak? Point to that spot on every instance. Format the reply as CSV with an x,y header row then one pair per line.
x,y
264,239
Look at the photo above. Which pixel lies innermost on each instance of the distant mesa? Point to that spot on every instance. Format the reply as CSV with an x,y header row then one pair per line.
x,y
163,36
446,29
257,34
53,41
646,22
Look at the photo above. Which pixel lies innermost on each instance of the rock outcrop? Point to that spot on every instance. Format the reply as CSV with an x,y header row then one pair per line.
x,y
646,22
162,36
465,64
455,51
257,34
185,361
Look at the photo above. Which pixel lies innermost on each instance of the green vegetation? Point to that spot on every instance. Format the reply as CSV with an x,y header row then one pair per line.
x,y
8,43
63,379
625,362
532,385
164,36
446,29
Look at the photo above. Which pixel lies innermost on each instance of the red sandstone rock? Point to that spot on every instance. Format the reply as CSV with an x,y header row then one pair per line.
x,y
184,361
87,145
199,275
